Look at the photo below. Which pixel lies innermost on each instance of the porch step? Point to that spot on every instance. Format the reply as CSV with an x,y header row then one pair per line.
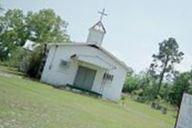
x,y
85,91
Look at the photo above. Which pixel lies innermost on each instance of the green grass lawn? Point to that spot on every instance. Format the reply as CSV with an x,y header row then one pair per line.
x,y
29,104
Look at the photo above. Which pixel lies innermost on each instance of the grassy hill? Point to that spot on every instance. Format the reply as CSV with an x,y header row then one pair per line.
x,y
28,104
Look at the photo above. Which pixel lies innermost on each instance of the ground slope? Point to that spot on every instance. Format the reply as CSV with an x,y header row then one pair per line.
x,y
28,104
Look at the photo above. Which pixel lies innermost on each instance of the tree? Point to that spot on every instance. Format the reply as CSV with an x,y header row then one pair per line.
x,y
183,83
163,62
140,86
46,27
131,83
13,31
42,27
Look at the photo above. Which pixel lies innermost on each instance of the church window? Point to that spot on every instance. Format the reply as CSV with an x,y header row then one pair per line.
x,y
64,64
108,77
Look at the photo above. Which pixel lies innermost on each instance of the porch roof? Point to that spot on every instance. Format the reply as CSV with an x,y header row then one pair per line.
x,y
94,60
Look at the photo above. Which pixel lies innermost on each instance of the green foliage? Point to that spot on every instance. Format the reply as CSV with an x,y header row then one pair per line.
x,y
165,91
163,62
15,58
12,32
10,23
32,62
46,27
140,86
4,52
149,93
148,86
42,27
131,83
182,84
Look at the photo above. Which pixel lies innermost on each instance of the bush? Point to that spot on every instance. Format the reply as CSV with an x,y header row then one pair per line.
x,y
182,84
145,94
32,62
130,84
15,58
142,87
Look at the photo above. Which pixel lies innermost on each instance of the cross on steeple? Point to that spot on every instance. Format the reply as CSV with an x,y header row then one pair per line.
x,y
102,14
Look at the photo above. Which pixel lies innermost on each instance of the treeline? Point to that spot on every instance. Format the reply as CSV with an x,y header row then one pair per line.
x,y
16,27
161,81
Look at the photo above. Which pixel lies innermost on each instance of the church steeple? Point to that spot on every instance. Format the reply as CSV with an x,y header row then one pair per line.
x,y
97,31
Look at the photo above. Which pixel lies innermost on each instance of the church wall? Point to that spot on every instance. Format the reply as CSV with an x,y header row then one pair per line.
x,y
58,75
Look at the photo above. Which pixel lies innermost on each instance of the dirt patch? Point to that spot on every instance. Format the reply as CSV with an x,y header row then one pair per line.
x,y
9,75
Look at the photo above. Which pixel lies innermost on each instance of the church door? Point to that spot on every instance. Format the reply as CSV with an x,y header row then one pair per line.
x,y
85,78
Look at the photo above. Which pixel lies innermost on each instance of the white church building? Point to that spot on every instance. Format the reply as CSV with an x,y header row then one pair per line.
x,y
86,65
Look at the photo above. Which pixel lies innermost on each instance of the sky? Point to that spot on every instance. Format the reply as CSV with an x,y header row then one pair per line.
x,y
134,27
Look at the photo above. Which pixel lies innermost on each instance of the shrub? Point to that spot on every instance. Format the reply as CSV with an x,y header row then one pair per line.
x,y
130,84
34,61
182,84
15,58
